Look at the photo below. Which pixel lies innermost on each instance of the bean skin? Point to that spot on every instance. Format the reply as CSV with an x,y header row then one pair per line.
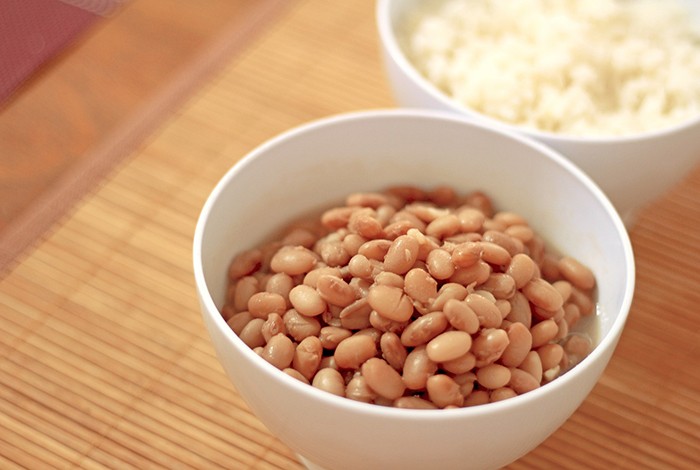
x,y
423,329
279,351
392,350
307,357
417,368
390,302
402,255
576,273
382,378
519,344
448,346
354,350
329,380
444,391
307,301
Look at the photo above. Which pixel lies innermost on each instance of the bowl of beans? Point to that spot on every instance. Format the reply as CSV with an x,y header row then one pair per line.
x,y
610,84
408,289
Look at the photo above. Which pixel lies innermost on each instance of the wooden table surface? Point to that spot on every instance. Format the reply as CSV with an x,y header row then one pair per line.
x,y
104,360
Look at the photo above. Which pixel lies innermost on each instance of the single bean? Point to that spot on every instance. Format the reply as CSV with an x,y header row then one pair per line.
x,y
503,240
352,243
460,365
279,351
390,302
273,326
426,212
420,286
387,278
417,368
550,355
461,316
384,324
494,254
280,283
331,336
571,314
337,217
262,304
442,196
375,249
311,278
477,273
424,329
493,376
402,255
583,301
359,266
532,365
351,352
477,397
382,378
543,332
358,390
364,223
425,244
466,254
522,269
356,315
300,326
329,380
486,311
542,294
522,382
501,394
519,344
392,350
576,273
439,263
549,267
245,288
450,290
489,345
504,307
520,232
307,301
577,346
238,321
335,291
501,285
300,236
448,346
466,381
245,264
251,334
471,219
293,260
414,403
564,289
307,356
520,310
444,391
395,229
443,226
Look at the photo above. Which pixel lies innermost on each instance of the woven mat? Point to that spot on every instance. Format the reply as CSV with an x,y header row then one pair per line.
x,y
105,363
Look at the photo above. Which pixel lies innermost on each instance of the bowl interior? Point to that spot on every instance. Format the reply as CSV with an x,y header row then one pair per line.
x,y
311,168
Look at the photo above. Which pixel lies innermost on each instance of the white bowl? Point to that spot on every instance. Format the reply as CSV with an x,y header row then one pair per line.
x,y
633,170
318,164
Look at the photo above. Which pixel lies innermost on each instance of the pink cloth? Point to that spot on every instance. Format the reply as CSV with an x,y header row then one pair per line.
x,y
32,32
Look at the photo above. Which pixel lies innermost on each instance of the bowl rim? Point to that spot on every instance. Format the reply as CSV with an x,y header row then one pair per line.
x,y
388,39
211,311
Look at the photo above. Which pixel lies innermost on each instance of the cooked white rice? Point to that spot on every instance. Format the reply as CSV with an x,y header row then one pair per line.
x,y
579,67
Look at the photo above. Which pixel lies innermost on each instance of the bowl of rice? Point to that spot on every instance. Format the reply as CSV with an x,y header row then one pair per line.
x,y
613,85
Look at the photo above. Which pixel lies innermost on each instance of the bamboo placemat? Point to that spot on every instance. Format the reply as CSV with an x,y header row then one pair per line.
x,y
104,362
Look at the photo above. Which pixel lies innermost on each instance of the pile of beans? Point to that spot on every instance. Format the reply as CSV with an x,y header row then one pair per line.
x,y
413,298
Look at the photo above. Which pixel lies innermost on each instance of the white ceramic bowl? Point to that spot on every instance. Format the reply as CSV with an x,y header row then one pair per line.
x,y
633,171
318,164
